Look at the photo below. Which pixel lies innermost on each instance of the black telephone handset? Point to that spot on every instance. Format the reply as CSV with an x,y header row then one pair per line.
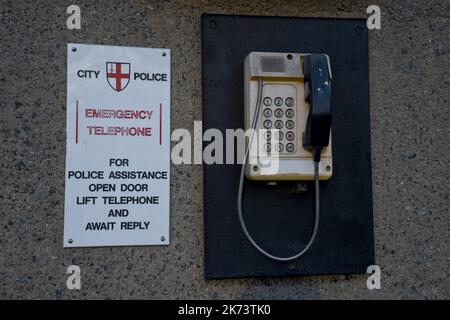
x,y
318,94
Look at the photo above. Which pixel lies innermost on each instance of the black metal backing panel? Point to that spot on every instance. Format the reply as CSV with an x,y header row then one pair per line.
x,y
278,218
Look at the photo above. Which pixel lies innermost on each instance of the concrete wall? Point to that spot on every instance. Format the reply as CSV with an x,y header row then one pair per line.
x,y
409,76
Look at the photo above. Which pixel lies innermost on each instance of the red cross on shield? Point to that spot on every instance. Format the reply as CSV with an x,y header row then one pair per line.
x,y
118,75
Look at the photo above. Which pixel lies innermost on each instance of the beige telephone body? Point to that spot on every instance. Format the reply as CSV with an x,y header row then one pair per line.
x,y
277,152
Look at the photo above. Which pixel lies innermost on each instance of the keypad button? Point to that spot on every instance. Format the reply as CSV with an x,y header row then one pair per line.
x,y
278,147
268,147
267,124
278,124
278,135
290,147
289,113
290,124
290,135
267,112
289,102
267,101
278,101
267,135
278,113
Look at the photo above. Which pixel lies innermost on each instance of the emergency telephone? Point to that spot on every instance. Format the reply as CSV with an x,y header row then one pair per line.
x,y
287,107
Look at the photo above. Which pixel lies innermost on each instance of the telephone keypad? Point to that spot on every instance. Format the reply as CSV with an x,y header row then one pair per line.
x,y
281,119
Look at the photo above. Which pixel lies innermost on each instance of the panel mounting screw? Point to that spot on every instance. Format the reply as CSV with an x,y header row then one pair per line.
x,y
70,241
74,49
164,54
213,24
163,238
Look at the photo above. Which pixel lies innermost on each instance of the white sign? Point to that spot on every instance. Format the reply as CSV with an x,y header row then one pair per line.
x,y
118,146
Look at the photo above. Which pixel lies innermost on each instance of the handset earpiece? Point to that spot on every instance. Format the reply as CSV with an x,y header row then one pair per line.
x,y
318,94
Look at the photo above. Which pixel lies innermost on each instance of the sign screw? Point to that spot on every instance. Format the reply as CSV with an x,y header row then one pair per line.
x,y
213,24
74,49
163,238
70,241
164,54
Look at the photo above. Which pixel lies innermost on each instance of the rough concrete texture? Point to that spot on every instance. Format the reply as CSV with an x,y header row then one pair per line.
x,y
409,77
